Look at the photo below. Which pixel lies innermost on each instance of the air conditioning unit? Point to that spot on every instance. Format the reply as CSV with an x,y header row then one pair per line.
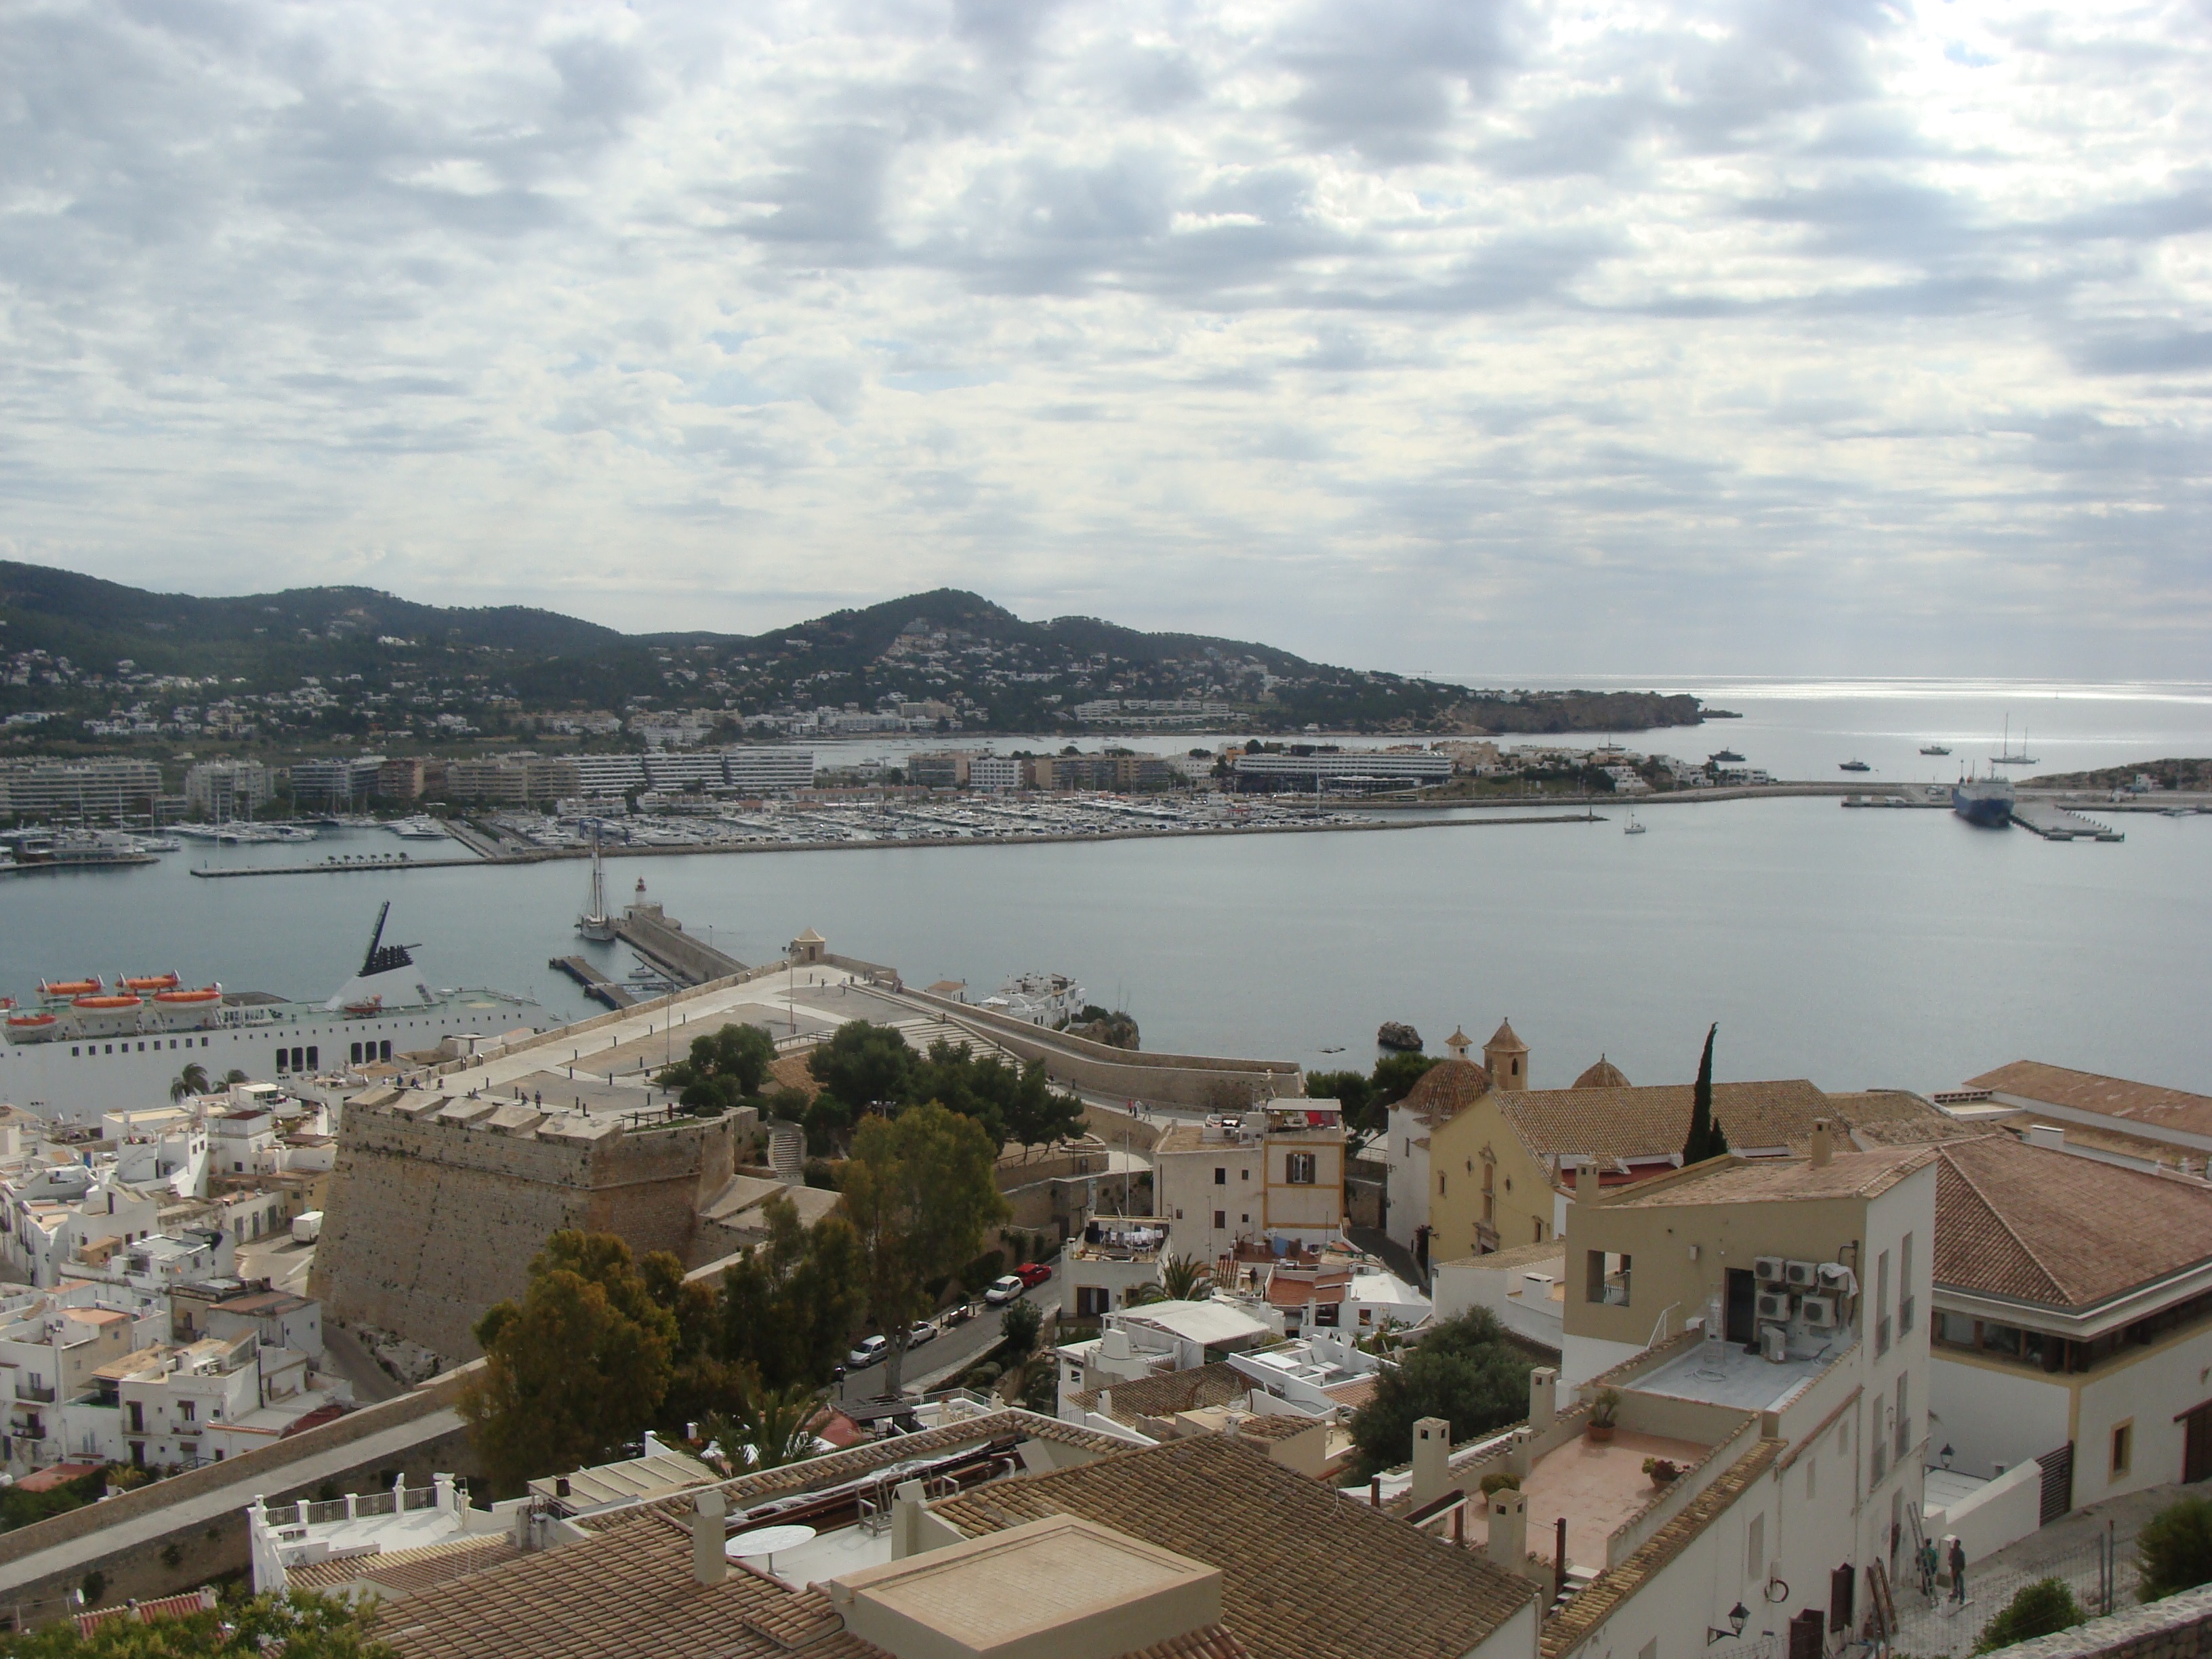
x,y
1773,1344
1774,1304
1768,1269
1801,1275
1836,1279
1818,1310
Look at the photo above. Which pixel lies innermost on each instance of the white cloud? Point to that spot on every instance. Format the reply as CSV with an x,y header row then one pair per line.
x,y
1751,335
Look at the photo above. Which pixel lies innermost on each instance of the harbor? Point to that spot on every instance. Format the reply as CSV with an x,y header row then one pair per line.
x,y
2055,823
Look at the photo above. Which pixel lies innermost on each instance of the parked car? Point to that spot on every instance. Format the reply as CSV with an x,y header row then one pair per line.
x,y
1005,1290
923,1331
870,1350
1033,1273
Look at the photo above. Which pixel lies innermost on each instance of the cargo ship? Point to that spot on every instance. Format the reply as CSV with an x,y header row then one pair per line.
x,y
1985,801
85,1046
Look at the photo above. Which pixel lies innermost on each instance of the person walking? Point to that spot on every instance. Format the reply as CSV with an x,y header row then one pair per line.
x,y
1958,1573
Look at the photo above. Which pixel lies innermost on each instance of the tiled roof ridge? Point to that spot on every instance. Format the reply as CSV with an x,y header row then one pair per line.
x,y
1997,1215
1598,1600
338,1570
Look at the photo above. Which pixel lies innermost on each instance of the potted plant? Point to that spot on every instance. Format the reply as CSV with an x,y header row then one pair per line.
x,y
1661,1470
1605,1412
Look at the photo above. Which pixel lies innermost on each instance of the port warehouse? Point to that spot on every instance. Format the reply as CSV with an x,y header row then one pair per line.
x,y
1363,769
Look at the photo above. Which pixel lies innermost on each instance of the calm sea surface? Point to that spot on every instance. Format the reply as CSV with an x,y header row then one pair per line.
x,y
1855,948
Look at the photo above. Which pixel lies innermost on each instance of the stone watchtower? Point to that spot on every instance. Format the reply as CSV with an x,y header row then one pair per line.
x,y
809,947
1506,1058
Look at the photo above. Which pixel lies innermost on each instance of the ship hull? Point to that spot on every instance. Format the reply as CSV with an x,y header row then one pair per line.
x,y
1989,809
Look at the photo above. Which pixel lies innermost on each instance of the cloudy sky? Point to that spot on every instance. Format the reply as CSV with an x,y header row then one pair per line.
x,y
1814,335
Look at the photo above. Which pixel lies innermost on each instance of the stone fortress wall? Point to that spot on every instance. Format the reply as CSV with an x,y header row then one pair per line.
x,y
437,1204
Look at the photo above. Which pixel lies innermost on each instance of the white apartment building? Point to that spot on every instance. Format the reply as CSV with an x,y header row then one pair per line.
x,y
993,772
50,1216
227,789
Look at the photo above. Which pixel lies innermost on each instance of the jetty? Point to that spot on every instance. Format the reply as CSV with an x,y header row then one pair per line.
x,y
599,990
2057,823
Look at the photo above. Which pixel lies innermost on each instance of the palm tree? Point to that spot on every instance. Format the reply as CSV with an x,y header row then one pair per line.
x,y
1183,1278
192,1080
775,1426
234,1075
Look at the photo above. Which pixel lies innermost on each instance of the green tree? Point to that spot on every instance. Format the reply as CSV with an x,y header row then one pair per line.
x,y
919,1190
300,1625
1038,1114
2174,1552
1183,1278
2043,1608
863,1064
1019,1327
1464,1370
192,1080
767,1428
789,1305
1354,1091
827,1119
724,1067
1706,1140
1396,1076
576,1369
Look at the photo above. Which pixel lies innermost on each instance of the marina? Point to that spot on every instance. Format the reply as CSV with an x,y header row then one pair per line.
x,y
598,989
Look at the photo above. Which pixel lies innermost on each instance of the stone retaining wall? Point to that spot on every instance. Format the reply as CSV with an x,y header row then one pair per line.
x,y
2179,1627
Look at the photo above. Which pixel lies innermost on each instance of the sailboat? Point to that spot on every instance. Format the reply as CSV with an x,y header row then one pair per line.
x,y
2007,755
1631,828
595,923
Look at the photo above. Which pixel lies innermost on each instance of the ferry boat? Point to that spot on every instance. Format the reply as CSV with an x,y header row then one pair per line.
x,y
1984,801
1854,766
91,1045
1932,749
1726,758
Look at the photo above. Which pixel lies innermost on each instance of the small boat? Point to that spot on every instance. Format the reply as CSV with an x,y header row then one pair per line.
x,y
151,983
368,1009
1632,827
29,1022
1856,766
2007,754
105,1002
71,987
1932,749
180,999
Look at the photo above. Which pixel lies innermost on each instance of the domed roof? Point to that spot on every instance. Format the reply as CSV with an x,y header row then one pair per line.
x,y
1447,1089
1603,1075
1504,1038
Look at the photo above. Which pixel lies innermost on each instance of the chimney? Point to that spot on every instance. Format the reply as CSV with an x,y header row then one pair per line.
x,y
1823,1142
906,1520
709,1563
1508,1530
1543,1385
1432,1459
1586,1183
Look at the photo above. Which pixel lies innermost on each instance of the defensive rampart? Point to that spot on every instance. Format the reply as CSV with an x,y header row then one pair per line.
x,y
1203,1081
437,1205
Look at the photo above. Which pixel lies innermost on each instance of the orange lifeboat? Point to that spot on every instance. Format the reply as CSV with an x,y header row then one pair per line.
x,y
153,983
206,993
105,1002
29,1022
70,987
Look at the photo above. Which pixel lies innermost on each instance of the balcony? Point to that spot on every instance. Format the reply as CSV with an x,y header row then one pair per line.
x,y
33,1391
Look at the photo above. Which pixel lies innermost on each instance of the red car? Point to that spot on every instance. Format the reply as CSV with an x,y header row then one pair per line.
x,y
1032,1275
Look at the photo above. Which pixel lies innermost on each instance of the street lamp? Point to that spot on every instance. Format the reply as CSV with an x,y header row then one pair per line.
x,y
1738,1617
1947,1455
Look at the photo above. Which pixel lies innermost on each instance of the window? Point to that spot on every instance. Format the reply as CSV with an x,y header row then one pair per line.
x,y
1440,1185
1220,1176
1220,1219
1903,1419
1755,1550
2124,1437
1299,1168
1905,1300
1812,1478
186,1409
1606,1279
1881,1304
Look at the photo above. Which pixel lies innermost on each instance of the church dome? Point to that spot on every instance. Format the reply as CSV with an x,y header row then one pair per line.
x,y
1603,1075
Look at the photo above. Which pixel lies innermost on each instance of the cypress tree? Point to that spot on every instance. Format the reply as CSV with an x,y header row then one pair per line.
x,y
1706,1140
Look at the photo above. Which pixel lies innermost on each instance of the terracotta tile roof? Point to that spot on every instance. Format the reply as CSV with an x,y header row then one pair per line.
x,y
1602,1596
1209,1641
1775,1180
1304,1571
2146,1103
1896,1117
145,1613
1655,1121
1276,1425
2046,1226
1170,1392
1521,1255
626,1594
1603,1075
1445,1090
1352,1395
409,1572
748,1490
1326,1291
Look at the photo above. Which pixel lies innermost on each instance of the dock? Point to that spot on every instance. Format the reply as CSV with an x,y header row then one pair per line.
x,y
2057,824
598,989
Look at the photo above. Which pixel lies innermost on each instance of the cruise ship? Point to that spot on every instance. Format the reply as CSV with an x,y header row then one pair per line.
x,y
82,1047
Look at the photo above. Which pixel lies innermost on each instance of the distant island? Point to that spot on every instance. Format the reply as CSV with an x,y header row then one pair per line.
x,y
86,664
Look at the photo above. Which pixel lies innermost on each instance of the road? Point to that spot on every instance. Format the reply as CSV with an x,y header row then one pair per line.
x,y
934,1364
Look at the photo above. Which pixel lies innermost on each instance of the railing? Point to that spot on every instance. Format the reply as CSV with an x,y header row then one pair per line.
x,y
375,1503
281,1515
329,1510
33,1391
422,1497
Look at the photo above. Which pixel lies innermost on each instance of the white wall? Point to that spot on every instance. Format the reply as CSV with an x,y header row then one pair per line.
x,y
1992,1415
2009,1508
2151,1390
1407,1189
1461,1285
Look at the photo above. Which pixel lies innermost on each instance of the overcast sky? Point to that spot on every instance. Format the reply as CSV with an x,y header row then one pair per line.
x,y
1487,338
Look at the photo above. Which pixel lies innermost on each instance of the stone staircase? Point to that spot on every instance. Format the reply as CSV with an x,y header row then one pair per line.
x,y
920,1033
787,1150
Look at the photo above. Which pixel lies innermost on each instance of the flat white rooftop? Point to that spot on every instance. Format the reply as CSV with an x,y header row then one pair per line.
x,y
1723,1374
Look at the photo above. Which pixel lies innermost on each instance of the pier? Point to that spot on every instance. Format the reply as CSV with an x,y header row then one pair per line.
x,y
599,990
2057,824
